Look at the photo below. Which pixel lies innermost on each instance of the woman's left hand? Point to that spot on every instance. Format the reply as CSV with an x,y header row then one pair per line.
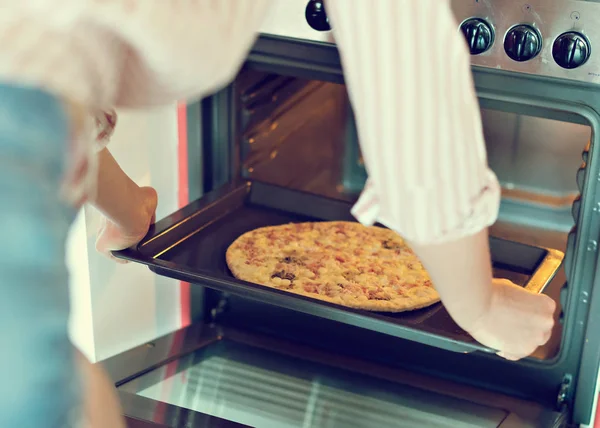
x,y
114,237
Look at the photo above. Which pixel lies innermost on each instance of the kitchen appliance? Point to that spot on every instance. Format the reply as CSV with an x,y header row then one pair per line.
x,y
279,144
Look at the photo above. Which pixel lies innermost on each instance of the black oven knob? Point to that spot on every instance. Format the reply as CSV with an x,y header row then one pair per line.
x,y
571,50
522,43
316,16
479,35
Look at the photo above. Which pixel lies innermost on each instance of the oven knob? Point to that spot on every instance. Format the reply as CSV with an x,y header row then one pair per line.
x,y
479,35
522,43
571,50
316,16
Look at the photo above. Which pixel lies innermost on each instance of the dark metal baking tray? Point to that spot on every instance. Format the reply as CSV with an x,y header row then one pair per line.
x,y
190,245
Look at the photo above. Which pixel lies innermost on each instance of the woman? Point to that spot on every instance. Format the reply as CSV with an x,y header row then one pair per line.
x,y
63,60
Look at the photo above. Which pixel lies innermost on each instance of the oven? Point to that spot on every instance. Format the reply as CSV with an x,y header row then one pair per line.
x,y
279,145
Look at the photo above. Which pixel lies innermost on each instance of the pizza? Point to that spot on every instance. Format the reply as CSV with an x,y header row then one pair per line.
x,y
345,263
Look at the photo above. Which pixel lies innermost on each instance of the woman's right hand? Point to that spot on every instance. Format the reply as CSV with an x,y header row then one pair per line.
x,y
517,321
496,312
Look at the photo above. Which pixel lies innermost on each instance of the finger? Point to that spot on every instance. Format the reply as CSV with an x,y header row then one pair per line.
x,y
117,260
505,281
104,249
522,352
544,324
545,302
111,238
546,337
518,353
510,357
548,323
109,255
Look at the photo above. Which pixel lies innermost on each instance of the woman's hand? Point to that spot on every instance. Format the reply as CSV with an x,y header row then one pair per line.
x,y
128,209
114,236
516,322
495,312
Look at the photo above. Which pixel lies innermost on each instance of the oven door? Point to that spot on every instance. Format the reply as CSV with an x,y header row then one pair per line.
x,y
214,376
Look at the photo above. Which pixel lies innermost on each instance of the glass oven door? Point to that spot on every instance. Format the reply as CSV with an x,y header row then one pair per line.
x,y
207,376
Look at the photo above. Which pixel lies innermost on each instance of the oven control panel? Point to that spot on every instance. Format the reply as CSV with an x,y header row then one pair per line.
x,y
545,37
556,38
299,19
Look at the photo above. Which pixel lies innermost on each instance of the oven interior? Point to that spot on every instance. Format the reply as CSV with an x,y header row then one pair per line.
x,y
280,145
300,134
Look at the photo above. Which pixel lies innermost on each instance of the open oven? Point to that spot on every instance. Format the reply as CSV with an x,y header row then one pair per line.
x,y
279,145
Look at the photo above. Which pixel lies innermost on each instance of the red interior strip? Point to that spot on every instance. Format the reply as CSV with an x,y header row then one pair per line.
x,y
169,370
597,420
183,197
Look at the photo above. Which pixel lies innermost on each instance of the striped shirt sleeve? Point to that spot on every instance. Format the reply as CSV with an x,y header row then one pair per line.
x,y
408,75
105,122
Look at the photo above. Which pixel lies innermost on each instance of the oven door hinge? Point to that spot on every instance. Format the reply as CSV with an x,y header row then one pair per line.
x,y
562,403
564,392
219,309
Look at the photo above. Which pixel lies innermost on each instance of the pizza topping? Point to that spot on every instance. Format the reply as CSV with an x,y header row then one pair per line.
x,y
388,244
399,288
284,275
340,228
376,271
378,295
350,275
311,287
291,260
284,284
314,267
351,289
330,290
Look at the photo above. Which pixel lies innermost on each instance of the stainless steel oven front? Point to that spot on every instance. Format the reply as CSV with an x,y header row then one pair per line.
x,y
279,144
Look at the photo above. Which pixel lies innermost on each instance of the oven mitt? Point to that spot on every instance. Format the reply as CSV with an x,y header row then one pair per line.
x,y
112,237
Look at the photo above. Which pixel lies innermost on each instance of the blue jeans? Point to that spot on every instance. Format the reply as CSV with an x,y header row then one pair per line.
x,y
38,383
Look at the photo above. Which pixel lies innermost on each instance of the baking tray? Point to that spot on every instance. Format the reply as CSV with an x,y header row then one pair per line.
x,y
190,245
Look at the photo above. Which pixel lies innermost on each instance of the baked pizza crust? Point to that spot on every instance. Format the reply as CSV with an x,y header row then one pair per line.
x,y
344,263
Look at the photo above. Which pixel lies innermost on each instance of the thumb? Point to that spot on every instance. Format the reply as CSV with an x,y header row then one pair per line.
x,y
108,240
